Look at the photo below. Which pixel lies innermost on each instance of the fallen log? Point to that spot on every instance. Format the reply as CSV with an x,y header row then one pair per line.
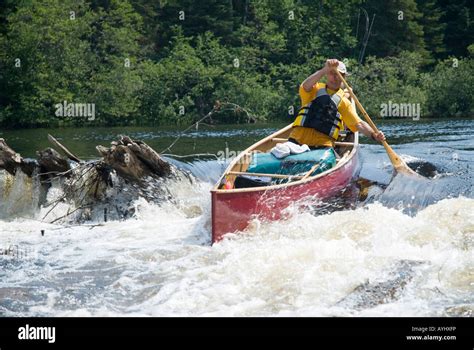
x,y
134,159
129,170
9,159
12,161
51,162
65,151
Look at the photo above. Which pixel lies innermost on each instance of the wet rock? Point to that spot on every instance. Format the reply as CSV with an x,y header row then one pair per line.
x,y
466,310
373,293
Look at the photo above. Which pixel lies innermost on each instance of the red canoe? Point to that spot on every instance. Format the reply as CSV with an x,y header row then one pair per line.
x,y
233,209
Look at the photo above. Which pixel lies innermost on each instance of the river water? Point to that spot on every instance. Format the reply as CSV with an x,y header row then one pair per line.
x,y
405,250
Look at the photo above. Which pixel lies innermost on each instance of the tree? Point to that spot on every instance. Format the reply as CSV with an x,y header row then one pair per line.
x,y
433,27
45,58
397,79
178,93
396,28
447,88
459,26
57,51
115,81
195,18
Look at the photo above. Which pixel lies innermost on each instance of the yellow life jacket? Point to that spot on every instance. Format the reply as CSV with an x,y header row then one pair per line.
x,y
322,113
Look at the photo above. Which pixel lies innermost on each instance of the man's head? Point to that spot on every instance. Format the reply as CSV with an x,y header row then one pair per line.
x,y
334,82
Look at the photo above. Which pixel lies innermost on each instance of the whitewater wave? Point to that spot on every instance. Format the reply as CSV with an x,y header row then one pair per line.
x,y
161,263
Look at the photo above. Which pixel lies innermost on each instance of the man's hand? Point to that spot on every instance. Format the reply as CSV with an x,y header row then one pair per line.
x,y
365,128
378,136
331,64
309,82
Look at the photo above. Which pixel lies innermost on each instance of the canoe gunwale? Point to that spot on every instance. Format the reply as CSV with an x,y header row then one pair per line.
x,y
309,179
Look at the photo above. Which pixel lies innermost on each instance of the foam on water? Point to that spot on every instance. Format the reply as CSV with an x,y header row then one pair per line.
x,y
161,263
405,251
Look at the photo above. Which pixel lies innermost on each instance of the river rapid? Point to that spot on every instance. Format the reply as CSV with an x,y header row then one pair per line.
x,y
406,249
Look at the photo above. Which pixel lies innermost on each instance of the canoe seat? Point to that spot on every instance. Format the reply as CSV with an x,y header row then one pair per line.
x,y
340,143
336,143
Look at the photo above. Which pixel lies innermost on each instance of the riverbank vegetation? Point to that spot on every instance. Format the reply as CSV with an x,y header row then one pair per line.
x,y
161,62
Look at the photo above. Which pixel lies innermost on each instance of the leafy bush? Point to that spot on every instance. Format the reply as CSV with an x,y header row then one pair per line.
x,y
397,79
251,53
449,88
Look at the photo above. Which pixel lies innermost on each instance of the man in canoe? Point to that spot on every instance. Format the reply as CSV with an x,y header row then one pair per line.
x,y
326,109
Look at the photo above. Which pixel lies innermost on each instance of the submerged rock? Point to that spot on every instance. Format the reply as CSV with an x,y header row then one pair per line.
x,y
391,288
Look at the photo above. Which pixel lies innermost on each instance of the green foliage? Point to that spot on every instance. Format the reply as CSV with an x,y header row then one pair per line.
x,y
470,49
397,79
44,59
175,93
75,57
459,32
142,62
397,27
444,92
433,27
263,98
449,88
205,75
194,17
115,82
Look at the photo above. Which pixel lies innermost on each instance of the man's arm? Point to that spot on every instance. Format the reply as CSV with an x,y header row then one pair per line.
x,y
365,128
315,77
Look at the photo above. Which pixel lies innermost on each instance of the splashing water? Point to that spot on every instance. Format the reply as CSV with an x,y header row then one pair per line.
x,y
161,263
407,250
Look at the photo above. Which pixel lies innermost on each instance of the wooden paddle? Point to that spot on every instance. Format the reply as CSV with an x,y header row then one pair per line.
x,y
312,170
398,163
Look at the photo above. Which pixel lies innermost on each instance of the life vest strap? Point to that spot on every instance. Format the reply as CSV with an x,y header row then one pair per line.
x,y
336,97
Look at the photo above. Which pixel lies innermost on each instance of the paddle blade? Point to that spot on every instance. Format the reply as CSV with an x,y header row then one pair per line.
x,y
398,163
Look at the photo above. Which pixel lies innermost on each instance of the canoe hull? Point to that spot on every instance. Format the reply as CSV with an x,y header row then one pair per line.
x,y
232,211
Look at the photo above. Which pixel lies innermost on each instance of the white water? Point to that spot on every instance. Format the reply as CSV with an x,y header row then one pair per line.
x,y
161,263
413,242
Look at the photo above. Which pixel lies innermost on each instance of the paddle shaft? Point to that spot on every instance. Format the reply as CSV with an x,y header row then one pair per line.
x,y
397,162
358,104
311,171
